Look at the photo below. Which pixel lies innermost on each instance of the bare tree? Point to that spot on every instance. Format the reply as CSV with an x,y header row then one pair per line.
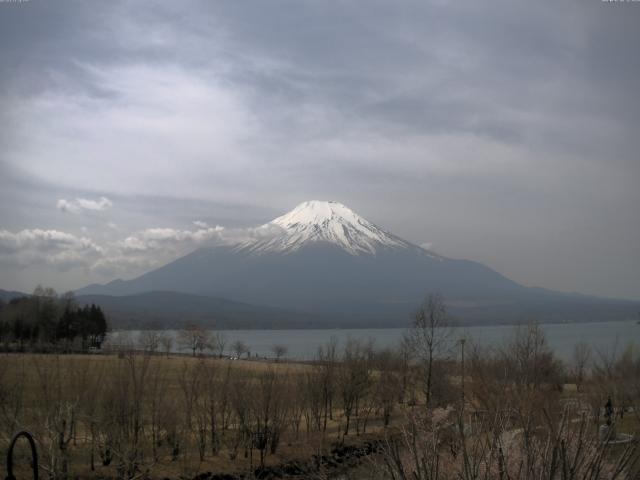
x,y
214,391
239,348
57,420
530,359
354,377
562,449
327,360
581,358
157,404
279,351
123,415
166,341
218,344
193,337
387,382
407,391
12,397
149,341
268,412
312,388
616,375
241,392
519,428
429,337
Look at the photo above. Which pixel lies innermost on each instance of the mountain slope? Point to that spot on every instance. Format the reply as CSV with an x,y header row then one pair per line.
x,y
7,295
323,258
159,309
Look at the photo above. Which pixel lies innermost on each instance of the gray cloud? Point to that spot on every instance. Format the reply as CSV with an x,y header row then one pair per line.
x,y
505,133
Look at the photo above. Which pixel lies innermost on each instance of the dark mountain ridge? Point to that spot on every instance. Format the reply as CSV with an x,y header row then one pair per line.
x,y
162,309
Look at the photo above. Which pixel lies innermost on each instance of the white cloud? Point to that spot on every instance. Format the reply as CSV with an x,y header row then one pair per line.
x,y
102,204
50,247
80,204
128,257
122,264
152,247
67,207
200,224
170,238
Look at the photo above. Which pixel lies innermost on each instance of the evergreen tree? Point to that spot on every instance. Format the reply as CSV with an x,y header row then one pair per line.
x,y
47,318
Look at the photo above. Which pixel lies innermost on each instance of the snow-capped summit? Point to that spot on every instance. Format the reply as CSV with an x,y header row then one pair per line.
x,y
322,221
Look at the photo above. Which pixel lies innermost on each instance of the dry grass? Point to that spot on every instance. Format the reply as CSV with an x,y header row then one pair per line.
x,y
44,384
114,399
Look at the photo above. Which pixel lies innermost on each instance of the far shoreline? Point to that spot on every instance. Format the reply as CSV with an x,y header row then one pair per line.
x,y
380,327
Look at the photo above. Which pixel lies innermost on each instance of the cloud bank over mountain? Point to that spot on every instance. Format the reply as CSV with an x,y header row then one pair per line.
x,y
136,253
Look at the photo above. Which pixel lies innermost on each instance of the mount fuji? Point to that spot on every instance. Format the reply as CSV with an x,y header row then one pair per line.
x,y
328,222
323,259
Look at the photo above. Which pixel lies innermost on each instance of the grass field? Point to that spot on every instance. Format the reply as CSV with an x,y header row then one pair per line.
x,y
135,415
159,410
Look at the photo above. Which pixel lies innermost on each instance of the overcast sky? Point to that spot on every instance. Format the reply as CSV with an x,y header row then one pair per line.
x,y
506,132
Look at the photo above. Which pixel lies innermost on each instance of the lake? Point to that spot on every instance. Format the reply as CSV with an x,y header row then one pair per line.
x,y
303,344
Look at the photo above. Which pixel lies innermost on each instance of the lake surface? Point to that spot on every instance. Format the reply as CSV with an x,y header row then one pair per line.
x,y
303,344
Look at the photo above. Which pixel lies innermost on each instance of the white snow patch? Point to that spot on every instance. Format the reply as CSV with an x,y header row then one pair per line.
x,y
321,221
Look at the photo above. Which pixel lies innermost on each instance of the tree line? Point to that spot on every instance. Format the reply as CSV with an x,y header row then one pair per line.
x,y
45,321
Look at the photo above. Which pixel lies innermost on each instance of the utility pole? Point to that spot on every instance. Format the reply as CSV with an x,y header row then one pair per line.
x,y
462,342
461,424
